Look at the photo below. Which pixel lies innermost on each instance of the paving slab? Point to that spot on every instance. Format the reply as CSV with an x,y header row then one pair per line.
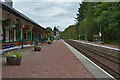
x,y
53,61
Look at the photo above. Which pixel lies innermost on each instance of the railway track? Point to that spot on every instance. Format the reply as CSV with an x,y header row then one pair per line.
x,y
108,62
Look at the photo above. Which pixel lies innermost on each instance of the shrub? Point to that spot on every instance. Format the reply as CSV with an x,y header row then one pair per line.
x,y
102,42
14,54
31,42
49,41
38,47
52,39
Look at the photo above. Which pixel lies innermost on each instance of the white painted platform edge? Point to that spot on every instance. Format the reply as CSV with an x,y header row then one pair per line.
x,y
90,61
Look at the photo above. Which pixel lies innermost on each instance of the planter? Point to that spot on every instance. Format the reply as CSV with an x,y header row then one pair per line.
x,y
13,61
37,49
49,42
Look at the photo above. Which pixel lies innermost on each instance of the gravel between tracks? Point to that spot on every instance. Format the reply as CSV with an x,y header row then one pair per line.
x,y
94,56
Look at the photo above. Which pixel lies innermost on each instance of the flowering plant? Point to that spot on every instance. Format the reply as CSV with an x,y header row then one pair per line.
x,y
27,28
14,54
19,26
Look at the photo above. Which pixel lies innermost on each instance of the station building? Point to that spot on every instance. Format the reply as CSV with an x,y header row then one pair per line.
x,y
16,28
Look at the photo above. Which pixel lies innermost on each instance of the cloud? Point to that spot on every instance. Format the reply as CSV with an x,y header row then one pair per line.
x,y
47,0
55,11
49,14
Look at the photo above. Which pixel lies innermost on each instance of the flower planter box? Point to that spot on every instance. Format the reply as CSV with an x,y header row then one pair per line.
x,y
13,58
37,49
13,61
49,42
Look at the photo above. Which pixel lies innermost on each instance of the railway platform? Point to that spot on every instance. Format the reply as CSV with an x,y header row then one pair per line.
x,y
107,46
57,60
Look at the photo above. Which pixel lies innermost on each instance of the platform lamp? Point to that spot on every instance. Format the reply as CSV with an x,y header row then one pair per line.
x,y
18,20
22,36
22,40
57,33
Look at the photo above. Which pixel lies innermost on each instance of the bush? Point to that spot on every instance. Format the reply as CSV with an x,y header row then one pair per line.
x,y
52,39
31,42
38,47
102,42
49,41
14,54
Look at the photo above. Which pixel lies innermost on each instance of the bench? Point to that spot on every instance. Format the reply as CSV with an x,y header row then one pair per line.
x,y
42,40
9,47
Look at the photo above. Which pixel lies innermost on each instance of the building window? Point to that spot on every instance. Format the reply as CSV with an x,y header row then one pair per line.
x,y
18,35
11,34
25,36
7,35
29,35
35,36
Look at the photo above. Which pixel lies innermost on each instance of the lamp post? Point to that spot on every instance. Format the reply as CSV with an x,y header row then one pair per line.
x,y
22,36
18,20
22,39
79,36
58,32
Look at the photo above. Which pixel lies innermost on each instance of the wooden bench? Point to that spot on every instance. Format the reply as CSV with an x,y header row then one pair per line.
x,y
10,47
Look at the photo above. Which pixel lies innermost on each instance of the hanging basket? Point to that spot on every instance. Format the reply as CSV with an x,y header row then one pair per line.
x,y
19,26
34,30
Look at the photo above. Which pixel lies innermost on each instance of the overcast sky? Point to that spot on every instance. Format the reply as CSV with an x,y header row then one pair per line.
x,y
49,14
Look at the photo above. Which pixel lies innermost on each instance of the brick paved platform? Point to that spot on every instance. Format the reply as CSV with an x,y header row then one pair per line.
x,y
53,61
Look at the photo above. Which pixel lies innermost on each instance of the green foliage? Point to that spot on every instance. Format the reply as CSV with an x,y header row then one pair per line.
x,y
49,41
102,42
49,29
37,46
55,29
31,42
52,39
93,15
69,33
14,54
108,18
50,36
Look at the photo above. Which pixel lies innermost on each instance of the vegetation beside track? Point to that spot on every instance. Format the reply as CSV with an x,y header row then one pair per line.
x,y
93,18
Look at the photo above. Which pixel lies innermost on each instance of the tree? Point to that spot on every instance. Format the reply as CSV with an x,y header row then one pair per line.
x,y
55,29
49,29
108,17
93,15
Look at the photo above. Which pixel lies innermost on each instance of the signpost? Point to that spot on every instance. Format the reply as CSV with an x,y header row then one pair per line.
x,y
79,36
100,36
